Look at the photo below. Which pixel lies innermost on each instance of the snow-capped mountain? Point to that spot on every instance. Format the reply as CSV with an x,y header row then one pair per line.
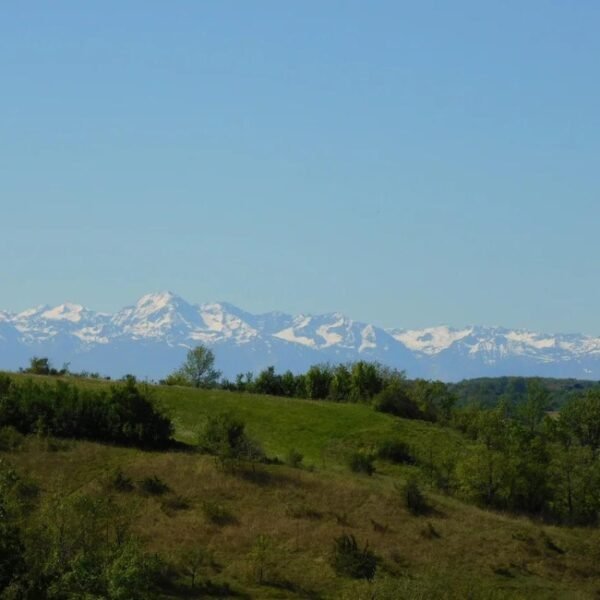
x,y
151,337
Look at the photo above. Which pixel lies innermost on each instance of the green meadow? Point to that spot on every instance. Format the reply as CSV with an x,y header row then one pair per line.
x,y
268,529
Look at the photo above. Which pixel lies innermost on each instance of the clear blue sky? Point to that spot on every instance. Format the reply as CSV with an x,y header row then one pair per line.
x,y
407,163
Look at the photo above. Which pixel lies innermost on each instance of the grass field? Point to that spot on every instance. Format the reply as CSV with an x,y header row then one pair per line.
x,y
286,518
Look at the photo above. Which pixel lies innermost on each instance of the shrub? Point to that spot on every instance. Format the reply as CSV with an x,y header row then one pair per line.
x,y
225,436
396,451
350,561
262,563
217,514
294,458
127,414
359,462
120,482
395,400
414,499
153,486
10,439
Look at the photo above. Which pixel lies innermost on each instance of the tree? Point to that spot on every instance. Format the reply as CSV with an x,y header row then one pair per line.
x,y
39,366
533,409
317,382
197,370
581,418
395,400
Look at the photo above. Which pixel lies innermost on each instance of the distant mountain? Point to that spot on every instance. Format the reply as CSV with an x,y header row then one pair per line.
x,y
151,338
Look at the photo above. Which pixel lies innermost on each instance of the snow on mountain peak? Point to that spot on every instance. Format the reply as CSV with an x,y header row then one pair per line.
x,y
32,312
64,312
151,303
165,322
430,340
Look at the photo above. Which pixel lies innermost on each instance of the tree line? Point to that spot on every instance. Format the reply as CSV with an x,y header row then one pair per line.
x,y
529,460
385,388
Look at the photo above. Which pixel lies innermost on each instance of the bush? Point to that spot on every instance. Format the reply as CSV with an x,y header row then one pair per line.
x,y
10,439
126,414
396,451
225,436
359,462
414,499
395,400
262,561
350,561
121,482
294,458
217,514
153,486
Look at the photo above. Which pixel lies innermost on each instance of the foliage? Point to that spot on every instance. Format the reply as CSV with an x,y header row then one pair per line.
x,y
262,564
121,482
127,414
42,366
224,436
10,439
153,486
350,561
294,458
197,370
413,497
487,392
361,462
394,399
217,514
395,451
74,548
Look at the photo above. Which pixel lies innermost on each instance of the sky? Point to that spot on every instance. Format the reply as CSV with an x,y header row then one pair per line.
x,y
406,163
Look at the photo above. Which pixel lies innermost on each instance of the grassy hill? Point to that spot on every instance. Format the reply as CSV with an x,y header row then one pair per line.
x,y
279,522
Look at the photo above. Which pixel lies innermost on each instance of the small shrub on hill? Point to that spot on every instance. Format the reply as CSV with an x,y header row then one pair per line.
x,y
262,562
360,462
153,486
350,561
395,451
413,497
225,436
217,514
10,439
121,482
294,458
394,399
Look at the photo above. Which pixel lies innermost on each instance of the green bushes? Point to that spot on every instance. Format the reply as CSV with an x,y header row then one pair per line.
x,y
224,436
350,561
121,482
360,462
294,458
413,497
395,400
217,514
153,486
126,414
10,439
396,451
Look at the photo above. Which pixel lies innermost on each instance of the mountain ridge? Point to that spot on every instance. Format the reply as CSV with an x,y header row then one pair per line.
x,y
150,337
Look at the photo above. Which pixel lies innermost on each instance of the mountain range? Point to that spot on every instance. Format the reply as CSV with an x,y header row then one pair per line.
x,y
151,337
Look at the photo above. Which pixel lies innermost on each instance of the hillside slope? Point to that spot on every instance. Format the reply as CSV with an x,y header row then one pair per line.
x,y
286,518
